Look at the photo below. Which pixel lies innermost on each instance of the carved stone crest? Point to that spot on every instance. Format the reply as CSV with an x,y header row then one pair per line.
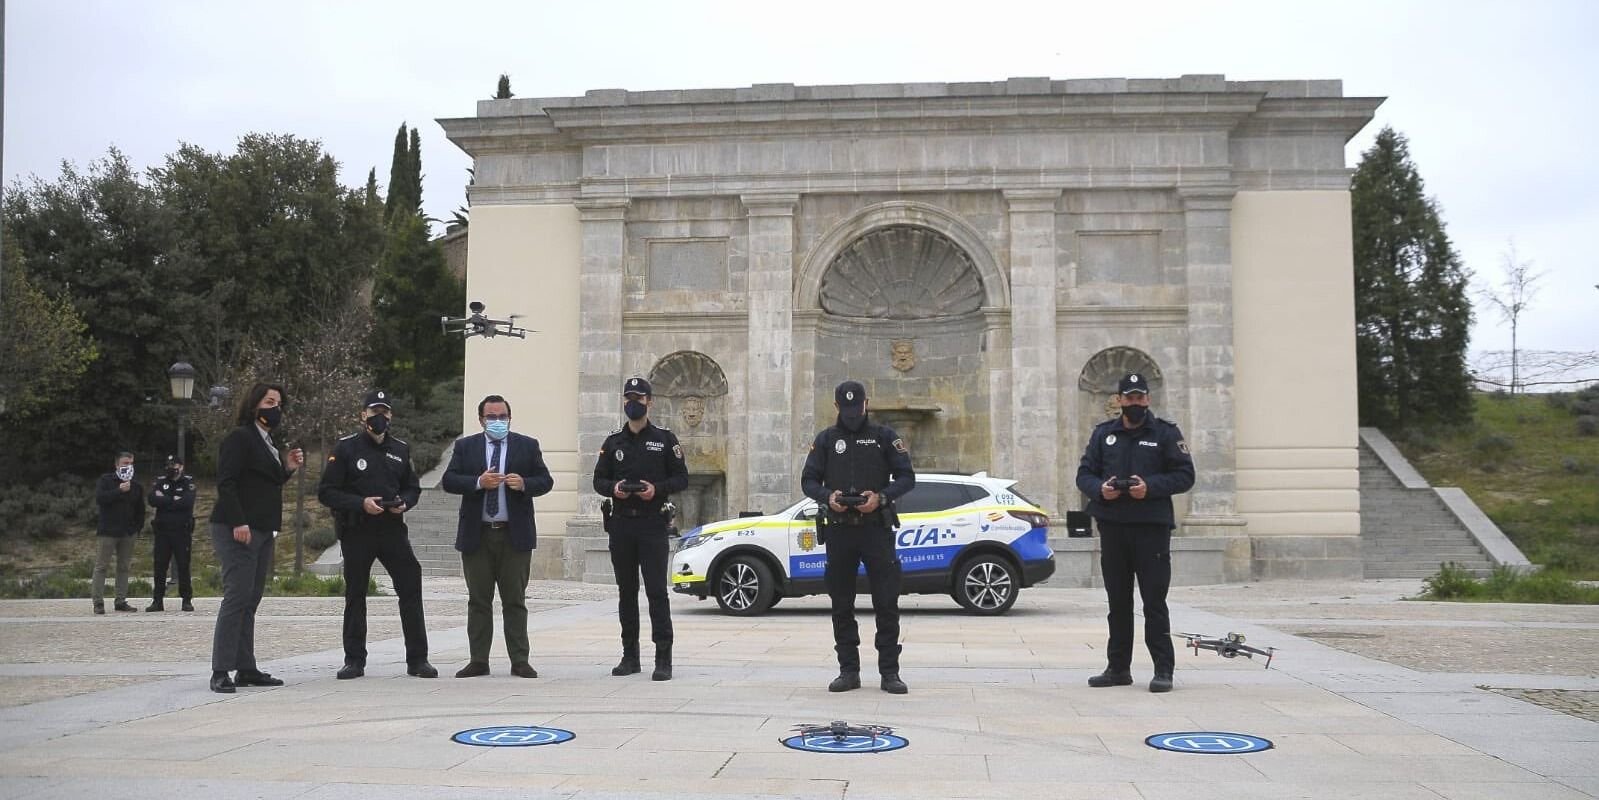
x,y
903,355
693,411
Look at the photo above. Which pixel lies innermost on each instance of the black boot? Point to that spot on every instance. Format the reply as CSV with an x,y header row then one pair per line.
x,y
1161,682
663,663
892,684
845,681
629,663
155,605
1111,677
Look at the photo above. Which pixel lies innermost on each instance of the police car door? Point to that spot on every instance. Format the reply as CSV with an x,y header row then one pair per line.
x,y
806,558
933,527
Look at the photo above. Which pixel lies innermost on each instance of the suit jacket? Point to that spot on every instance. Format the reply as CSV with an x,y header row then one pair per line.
x,y
467,464
249,482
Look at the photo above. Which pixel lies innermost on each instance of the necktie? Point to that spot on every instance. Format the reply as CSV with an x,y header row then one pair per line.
x,y
491,502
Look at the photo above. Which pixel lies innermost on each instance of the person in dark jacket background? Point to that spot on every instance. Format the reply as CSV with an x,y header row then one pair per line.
x,y
121,502
172,496
251,471
1131,468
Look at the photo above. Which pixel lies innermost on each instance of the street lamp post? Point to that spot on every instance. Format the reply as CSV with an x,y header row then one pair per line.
x,y
182,376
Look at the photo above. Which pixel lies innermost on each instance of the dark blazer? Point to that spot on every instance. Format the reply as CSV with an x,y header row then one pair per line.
x,y
121,513
467,463
249,482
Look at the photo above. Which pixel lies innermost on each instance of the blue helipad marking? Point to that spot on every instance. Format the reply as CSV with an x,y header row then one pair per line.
x,y
828,743
513,736
1208,742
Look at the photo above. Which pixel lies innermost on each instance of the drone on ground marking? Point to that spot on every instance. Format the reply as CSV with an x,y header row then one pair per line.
x,y
841,730
480,324
1229,646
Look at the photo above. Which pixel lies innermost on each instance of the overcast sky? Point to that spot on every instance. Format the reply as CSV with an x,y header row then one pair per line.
x,y
1499,99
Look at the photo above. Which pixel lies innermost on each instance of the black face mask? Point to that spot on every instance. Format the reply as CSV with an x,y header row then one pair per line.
x,y
377,424
635,410
1135,414
174,473
852,420
270,417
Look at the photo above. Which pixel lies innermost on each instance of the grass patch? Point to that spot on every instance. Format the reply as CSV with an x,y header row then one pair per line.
x,y
1528,464
73,582
1505,585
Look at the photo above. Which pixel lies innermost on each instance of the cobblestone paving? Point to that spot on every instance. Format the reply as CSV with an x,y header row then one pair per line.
x,y
1533,651
1578,703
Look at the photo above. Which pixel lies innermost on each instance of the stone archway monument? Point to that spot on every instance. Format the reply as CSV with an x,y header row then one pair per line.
x,y
964,249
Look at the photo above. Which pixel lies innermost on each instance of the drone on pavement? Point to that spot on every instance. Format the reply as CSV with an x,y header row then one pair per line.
x,y
841,730
1229,646
480,324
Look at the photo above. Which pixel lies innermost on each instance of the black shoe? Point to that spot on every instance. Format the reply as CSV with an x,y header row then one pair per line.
x,y
473,669
893,685
422,669
1109,678
350,670
99,608
845,682
627,666
1161,683
122,605
221,684
522,669
155,607
188,606
663,672
255,677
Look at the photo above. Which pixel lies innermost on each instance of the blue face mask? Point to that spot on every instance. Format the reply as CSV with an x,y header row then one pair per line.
x,y
497,429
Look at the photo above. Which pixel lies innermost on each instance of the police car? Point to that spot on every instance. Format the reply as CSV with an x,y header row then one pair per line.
x,y
969,536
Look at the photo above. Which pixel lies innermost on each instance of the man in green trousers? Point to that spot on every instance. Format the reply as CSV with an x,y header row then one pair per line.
x,y
497,473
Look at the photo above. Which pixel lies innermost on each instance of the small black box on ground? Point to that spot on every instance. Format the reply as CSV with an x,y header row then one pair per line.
x,y
1078,524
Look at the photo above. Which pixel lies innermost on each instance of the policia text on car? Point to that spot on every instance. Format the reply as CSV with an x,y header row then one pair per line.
x,y
855,471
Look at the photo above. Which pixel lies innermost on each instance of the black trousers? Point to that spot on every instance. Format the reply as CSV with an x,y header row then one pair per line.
x,y
245,569
848,546
632,555
173,547
1143,552
391,548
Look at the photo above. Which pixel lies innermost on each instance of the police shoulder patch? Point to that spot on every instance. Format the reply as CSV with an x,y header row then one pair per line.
x,y
899,444
677,450
1182,445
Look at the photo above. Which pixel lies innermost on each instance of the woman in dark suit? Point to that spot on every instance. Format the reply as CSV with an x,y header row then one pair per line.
x,y
251,472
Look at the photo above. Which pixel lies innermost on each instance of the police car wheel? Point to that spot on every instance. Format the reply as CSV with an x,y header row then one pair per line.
x,y
987,584
745,586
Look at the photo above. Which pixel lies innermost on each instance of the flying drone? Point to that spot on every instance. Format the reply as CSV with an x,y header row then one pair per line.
x,y
1229,646
479,324
841,730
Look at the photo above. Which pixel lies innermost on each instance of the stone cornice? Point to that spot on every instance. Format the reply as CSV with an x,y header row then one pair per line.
x,y
768,204
1105,316
677,321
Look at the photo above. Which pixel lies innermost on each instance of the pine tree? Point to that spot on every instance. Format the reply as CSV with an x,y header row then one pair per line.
x,y
399,184
503,91
1412,314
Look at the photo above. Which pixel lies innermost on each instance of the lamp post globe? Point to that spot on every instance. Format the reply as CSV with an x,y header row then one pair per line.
x,y
182,375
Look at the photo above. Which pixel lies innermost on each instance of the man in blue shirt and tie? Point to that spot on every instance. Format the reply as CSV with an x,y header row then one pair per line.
x,y
497,473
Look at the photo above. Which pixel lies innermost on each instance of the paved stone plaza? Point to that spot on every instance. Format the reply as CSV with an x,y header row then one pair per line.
x,y
1371,697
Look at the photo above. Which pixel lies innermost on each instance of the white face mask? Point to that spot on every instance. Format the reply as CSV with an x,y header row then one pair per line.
x,y
125,472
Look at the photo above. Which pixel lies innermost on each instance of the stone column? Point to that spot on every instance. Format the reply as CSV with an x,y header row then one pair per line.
x,y
599,380
1034,383
769,414
1213,511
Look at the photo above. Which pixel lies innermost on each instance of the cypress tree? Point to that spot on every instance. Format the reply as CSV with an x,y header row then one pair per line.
x,y
1412,314
397,174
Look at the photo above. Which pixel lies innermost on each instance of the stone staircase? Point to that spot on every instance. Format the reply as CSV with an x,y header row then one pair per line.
x,y
432,533
1407,532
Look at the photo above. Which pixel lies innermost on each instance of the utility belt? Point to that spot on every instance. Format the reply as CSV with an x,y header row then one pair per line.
x,y
852,521
610,510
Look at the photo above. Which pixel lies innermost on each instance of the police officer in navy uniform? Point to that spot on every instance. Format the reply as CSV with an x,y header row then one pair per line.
x,y
369,483
1131,468
640,465
856,460
172,497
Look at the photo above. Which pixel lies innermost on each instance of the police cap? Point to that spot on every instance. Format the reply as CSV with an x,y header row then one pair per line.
x,y
377,398
636,385
1133,383
850,394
